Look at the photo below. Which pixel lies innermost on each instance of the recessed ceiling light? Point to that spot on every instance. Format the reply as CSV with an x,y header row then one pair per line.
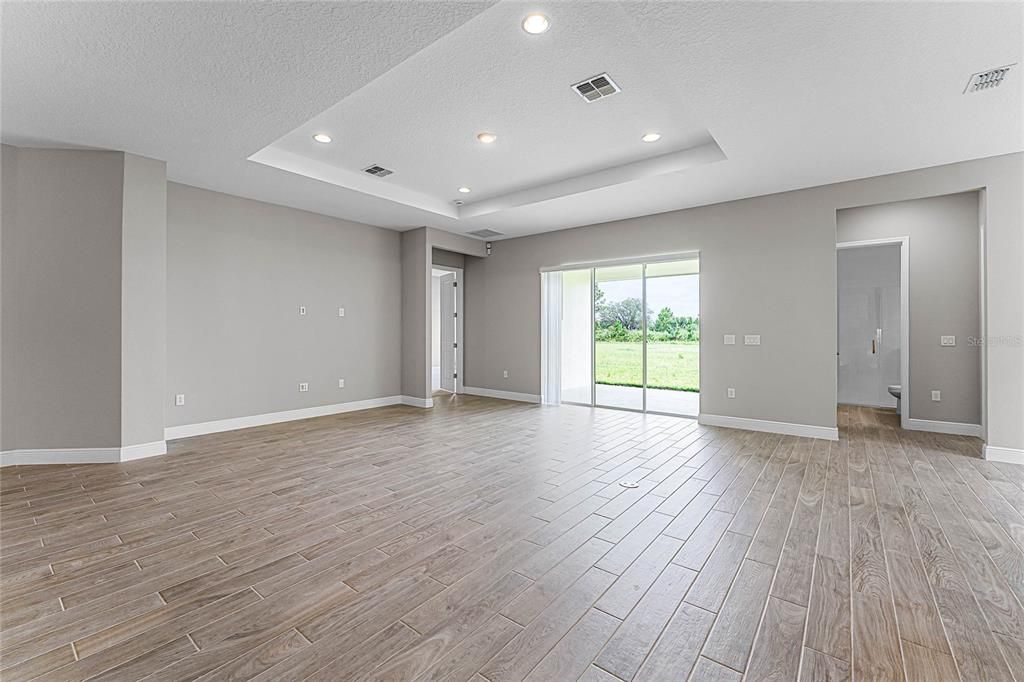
x,y
651,137
322,138
486,138
536,23
465,190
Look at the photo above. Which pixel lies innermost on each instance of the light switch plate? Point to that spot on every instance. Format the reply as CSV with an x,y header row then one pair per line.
x,y
947,340
341,312
179,399
302,310
730,339
752,340
505,374
341,383
936,396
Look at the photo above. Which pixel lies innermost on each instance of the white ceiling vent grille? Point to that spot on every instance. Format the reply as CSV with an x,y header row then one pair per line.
x,y
987,79
596,88
379,171
485,234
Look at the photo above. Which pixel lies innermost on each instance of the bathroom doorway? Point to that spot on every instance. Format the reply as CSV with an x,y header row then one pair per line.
x,y
873,325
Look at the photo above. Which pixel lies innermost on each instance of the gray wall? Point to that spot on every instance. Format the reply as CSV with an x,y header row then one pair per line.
x,y
448,258
768,266
415,280
8,193
238,270
143,300
61,291
944,296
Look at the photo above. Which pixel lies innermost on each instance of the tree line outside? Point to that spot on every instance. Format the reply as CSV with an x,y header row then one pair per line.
x,y
672,351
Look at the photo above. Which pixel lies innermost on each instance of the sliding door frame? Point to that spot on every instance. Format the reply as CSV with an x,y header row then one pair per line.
x,y
643,262
593,339
643,335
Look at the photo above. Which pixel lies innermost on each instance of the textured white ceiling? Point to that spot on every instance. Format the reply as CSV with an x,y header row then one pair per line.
x,y
203,85
795,94
421,118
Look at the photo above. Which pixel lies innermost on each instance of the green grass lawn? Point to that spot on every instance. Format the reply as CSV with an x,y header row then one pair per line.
x,y
669,365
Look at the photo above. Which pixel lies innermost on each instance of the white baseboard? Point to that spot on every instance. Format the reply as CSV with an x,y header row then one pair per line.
x,y
997,454
417,402
189,430
951,428
60,456
502,395
786,428
82,455
142,450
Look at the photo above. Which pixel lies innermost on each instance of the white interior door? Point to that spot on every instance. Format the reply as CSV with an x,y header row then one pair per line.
x,y
448,321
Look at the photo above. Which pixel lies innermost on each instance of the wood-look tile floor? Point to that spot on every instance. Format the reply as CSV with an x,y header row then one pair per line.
x,y
487,540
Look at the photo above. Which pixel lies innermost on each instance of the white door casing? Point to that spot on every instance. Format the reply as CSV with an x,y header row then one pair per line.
x,y
869,324
448,322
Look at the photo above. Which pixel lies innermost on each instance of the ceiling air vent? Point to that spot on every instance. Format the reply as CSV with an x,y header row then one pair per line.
x,y
485,234
596,88
379,171
987,79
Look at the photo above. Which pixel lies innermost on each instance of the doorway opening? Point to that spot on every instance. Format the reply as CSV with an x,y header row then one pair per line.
x,y
624,336
446,329
873,364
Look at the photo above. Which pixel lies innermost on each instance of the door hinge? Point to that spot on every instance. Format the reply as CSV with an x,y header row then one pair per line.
x,y
455,314
455,345
455,375
455,284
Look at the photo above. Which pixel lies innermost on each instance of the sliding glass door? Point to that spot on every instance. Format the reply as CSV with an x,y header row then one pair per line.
x,y
673,337
626,336
619,325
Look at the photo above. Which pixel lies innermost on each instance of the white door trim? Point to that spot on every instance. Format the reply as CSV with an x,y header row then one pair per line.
x,y
904,244
460,323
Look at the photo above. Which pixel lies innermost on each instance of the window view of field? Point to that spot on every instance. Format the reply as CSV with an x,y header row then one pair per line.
x,y
672,338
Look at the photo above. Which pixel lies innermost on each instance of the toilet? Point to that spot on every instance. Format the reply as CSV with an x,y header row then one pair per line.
x,y
895,390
